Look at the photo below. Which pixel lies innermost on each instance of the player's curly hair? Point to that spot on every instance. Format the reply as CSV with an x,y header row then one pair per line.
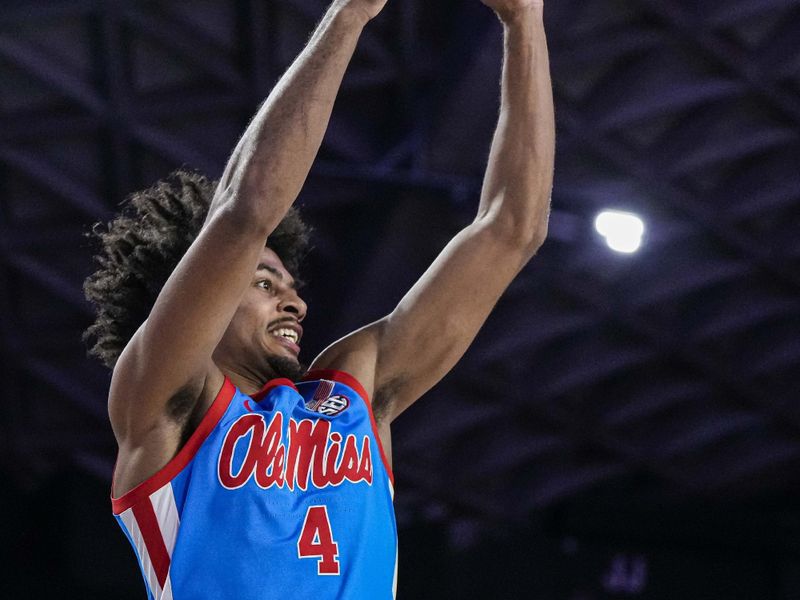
x,y
141,247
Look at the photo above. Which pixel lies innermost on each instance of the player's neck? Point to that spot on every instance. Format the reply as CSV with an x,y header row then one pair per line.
x,y
247,380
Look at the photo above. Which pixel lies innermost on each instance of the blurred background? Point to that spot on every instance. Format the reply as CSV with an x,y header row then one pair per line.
x,y
627,423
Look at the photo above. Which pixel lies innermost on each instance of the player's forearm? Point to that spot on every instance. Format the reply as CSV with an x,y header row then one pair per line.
x,y
519,177
271,162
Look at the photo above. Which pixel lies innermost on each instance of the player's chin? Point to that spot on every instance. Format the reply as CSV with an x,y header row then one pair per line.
x,y
289,354
286,366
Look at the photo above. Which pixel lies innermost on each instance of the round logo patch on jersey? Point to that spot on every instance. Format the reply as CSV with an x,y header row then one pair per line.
x,y
333,405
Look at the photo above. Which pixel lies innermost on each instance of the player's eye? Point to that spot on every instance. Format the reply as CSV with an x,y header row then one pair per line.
x,y
265,284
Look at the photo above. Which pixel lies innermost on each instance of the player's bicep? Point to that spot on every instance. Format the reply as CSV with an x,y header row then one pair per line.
x,y
434,323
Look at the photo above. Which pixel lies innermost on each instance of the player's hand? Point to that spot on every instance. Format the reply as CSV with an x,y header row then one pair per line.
x,y
370,8
508,10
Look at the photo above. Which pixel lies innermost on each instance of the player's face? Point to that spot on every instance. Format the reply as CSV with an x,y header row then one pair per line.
x,y
265,332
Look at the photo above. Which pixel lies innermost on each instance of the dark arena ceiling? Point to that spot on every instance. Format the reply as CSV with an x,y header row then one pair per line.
x,y
666,376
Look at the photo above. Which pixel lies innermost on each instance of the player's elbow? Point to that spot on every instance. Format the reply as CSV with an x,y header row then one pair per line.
x,y
244,213
538,234
519,217
531,229
525,233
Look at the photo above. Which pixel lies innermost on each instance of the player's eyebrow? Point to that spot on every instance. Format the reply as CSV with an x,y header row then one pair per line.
x,y
276,272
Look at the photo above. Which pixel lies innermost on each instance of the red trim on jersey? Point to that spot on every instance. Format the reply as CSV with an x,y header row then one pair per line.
x,y
182,458
153,540
355,385
271,385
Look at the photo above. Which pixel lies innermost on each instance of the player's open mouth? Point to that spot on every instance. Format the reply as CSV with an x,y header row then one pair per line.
x,y
289,336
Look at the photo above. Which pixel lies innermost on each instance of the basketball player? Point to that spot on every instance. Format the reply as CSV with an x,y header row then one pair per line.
x,y
239,474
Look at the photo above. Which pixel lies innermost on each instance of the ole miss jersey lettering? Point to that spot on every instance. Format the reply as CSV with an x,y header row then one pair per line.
x,y
305,452
287,491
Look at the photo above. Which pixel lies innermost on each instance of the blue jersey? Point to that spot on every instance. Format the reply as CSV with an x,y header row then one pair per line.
x,y
287,492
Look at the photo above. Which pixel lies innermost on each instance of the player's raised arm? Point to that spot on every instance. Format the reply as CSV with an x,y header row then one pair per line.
x,y
171,354
519,176
406,353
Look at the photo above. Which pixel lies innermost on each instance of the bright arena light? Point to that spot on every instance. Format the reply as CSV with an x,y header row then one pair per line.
x,y
623,231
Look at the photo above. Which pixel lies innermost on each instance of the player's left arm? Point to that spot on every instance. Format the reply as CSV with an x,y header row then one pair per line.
x,y
401,356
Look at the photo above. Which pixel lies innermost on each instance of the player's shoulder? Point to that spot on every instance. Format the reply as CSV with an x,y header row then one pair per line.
x,y
354,355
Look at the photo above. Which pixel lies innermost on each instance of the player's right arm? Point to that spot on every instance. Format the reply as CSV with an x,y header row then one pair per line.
x,y
171,354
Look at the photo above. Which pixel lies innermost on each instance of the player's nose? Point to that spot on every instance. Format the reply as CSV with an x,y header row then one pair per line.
x,y
293,304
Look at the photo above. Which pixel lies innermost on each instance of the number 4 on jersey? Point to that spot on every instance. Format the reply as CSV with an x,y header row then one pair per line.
x,y
316,541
